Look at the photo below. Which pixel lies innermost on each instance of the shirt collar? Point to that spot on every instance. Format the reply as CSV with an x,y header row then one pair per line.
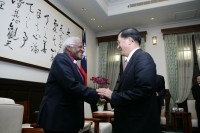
x,y
72,59
131,53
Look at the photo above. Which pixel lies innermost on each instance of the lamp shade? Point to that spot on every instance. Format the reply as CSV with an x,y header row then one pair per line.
x,y
154,40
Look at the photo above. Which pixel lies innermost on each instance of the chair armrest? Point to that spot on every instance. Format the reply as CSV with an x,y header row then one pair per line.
x,y
35,125
189,122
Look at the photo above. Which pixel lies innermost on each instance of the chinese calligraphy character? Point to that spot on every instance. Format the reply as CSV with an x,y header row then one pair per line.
x,y
38,14
44,49
36,36
34,48
37,25
19,3
1,4
54,40
55,24
12,32
30,7
15,19
8,44
61,29
60,43
68,32
52,56
24,39
47,16
27,19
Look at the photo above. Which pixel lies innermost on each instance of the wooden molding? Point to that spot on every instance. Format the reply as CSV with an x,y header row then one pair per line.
x,y
183,29
114,37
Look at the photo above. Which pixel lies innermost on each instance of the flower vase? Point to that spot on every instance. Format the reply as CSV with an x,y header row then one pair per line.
x,y
100,107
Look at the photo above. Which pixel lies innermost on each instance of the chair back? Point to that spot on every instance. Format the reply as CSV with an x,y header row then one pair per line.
x,y
87,110
191,108
6,101
26,110
11,116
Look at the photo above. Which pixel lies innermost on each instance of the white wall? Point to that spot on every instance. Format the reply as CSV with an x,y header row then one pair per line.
x,y
14,71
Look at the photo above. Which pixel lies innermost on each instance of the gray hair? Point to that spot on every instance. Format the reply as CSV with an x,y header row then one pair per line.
x,y
70,41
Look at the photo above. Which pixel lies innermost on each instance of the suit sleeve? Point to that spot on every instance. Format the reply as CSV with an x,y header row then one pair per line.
x,y
69,79
196,92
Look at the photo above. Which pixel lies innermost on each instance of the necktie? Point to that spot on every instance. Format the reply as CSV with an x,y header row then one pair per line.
x,y
79,71
125,64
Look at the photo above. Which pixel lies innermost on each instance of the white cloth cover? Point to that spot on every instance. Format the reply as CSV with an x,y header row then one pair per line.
x,y
104,127
6,101
192,110
11,116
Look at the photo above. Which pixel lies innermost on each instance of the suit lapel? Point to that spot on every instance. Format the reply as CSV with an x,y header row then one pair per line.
x,y
128,67
76,69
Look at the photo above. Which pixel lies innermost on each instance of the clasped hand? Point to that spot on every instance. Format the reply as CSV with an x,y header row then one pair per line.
x,y
104,92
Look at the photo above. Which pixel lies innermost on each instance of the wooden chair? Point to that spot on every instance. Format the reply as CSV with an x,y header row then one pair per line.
x,y
28,127
97,126
193,123
164,118
11,116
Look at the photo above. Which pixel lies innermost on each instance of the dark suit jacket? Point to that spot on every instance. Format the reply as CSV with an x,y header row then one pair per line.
x,y
196,92
160,89
135,107
62,106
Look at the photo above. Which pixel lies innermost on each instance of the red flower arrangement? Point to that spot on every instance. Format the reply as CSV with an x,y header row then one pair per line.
x,y
100,81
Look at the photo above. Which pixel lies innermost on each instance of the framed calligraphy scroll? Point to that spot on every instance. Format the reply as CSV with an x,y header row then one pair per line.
x,y
33,31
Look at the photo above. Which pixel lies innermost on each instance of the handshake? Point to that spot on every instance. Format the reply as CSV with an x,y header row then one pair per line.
x,y
104,92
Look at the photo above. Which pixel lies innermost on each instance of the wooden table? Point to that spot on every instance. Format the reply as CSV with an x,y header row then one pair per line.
x,y
184,117
32,130
104,115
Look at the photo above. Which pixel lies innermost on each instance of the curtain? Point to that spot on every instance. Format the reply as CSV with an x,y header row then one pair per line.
x,y
185,64
113,64
197,45
102,58
109,62
171,55
180,62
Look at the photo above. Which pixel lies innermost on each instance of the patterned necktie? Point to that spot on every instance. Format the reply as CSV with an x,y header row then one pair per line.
x,y
125,64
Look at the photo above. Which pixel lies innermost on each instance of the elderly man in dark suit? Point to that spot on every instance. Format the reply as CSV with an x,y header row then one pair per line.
x,y
62,106
134,103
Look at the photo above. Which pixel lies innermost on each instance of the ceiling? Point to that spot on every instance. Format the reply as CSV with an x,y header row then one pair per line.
x,y
113,15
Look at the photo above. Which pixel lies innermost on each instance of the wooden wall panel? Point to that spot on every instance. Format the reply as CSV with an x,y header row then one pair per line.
x,y
23,91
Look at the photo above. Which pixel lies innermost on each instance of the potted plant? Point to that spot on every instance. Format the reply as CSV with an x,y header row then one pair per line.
x,y
100,82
